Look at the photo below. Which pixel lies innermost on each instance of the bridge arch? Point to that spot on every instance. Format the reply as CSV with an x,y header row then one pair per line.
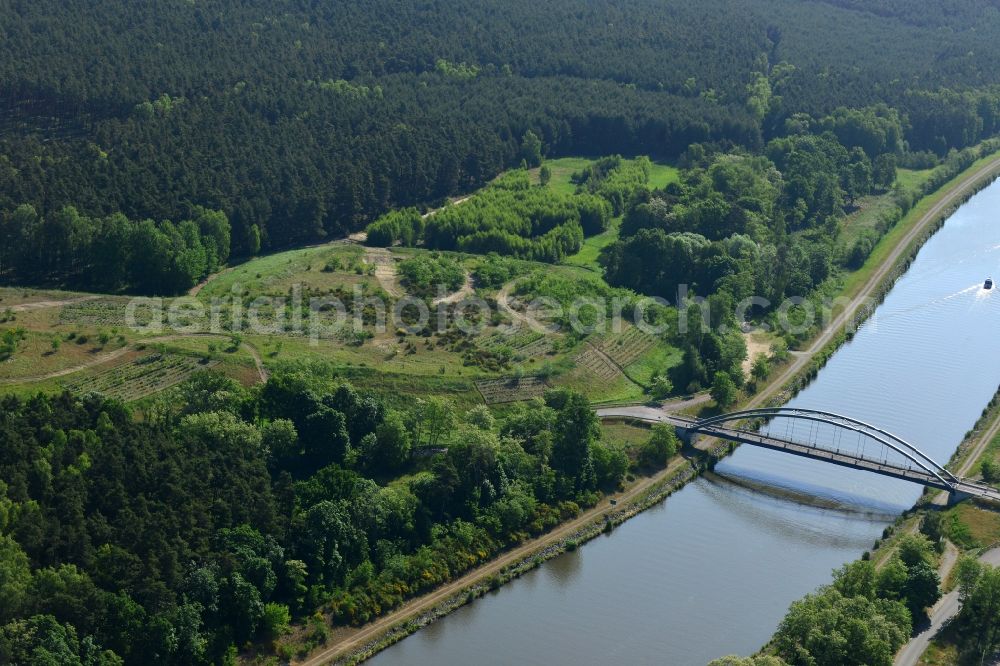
x,y
885,438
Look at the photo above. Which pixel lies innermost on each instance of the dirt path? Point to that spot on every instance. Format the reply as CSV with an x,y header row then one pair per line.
x,y
755,348
385,270
195,290
503,302
456,202
467,290
359,637
258,360
41,305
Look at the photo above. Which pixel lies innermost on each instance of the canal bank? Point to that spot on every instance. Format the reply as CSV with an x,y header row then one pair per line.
x,y
480,583
783,534
363,642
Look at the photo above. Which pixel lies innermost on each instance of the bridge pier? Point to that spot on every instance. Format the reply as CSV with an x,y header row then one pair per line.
x,y
685,435
956,496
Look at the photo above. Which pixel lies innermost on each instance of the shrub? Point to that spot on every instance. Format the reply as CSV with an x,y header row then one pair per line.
x,y
423,274
660,447
991,470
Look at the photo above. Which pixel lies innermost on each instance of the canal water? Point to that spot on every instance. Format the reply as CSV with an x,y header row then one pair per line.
x,y
713,569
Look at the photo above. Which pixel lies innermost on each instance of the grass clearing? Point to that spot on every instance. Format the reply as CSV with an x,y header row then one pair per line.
x,y
322,267
14,296
868,215
939,653
627,346
563,168
539,348
413,355
590,252
637,354
663,174
562,171
660,176
656,361
597,363
615,390
624,433
401,390
511,389
911,179
871,209
106,311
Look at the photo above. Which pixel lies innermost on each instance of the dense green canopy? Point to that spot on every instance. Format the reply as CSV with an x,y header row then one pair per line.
x,y
170,538
300,120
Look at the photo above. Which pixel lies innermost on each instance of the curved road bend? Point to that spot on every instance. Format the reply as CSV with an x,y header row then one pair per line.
x,y
653,412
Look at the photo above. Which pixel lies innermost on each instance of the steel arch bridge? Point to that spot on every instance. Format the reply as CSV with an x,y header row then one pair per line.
x,y
833,438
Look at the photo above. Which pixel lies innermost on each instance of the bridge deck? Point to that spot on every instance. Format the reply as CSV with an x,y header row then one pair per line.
x,y
836,457
844,459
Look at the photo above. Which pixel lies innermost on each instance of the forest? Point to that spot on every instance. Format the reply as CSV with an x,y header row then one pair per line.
x,y
146,146
757,224
226,513
112,253
301,121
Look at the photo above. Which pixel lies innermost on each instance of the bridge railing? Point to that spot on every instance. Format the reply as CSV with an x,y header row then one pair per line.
x,y
909,454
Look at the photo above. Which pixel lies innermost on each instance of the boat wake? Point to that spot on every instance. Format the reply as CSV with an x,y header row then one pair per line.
x,y
975,287
940,300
